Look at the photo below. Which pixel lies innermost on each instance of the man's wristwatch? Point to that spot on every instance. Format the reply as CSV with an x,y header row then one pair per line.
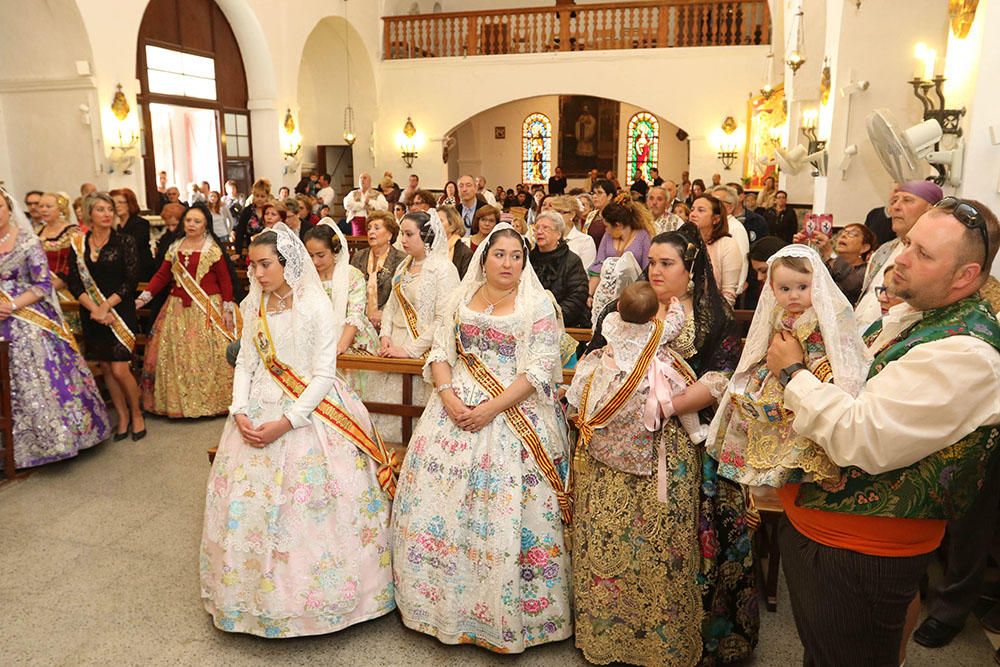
x,y
785,376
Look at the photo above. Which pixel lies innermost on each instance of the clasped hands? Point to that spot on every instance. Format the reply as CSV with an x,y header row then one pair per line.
x,y
263,435
103,314
470,418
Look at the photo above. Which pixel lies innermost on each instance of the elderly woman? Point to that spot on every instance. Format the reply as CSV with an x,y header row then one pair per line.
x,y
378,262
57,408
559,269
478,550
569,208
854,245
483,222
104,272
131,223
709,217
661,556
295,217
458,252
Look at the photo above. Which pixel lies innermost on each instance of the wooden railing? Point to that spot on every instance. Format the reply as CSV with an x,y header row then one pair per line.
x,y
633,25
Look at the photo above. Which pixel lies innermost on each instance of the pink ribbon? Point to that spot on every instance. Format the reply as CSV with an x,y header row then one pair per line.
x,y
658,409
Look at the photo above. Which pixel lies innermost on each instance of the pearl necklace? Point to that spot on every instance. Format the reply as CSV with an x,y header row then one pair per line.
x,y
10,230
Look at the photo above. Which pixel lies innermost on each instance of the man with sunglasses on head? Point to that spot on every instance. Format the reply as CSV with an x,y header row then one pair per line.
x,y
917,446
908,203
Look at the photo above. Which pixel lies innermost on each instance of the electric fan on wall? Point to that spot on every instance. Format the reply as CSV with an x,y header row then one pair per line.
x,y
902,151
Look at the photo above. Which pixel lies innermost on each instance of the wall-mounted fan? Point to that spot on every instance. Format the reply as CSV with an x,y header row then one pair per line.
x,y
902,151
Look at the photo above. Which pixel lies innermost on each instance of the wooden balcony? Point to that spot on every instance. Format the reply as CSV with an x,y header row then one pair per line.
x,y
610,26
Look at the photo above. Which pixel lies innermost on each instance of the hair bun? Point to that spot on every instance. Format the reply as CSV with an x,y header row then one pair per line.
x,y
622,198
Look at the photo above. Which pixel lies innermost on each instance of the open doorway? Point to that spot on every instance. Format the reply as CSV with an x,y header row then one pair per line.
x,y
186,145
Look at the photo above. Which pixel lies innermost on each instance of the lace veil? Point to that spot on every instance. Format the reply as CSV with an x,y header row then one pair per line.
x,y
309,296
530,295
431,275
340,279
26,235
848,356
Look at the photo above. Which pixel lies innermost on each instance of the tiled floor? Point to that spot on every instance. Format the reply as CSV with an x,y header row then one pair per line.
x,y
99,562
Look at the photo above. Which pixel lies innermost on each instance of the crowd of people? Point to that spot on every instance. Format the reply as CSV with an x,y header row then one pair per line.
x,y
849,395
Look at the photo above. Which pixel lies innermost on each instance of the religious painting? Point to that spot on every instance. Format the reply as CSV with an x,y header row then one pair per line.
x,y
767,119
588,134
642,152
536,149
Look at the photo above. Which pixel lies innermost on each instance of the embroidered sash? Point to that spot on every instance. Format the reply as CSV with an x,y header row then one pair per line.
x,y
603,417
327,410
42,321
118,326
408,311
522,428
204,302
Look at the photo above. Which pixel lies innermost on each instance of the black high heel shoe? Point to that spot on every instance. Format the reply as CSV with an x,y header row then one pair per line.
x,y
138,435
118,437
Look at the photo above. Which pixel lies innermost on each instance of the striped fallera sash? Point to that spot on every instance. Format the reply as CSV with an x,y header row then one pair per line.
x,y
408,311
42,321
204,302
293,385
603,417
522,428
118,326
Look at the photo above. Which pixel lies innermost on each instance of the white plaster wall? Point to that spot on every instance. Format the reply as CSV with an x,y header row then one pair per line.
x,y
634,77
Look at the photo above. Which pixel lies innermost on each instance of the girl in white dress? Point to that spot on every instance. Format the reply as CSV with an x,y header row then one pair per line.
x,y
295,539
420,290
478,527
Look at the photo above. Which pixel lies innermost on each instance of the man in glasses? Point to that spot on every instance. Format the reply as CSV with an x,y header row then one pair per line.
x,y
917,446
908,203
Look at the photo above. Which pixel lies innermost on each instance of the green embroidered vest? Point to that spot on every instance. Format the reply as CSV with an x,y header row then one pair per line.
x,y
942,485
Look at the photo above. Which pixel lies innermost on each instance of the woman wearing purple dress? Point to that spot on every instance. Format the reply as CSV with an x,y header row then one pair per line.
x,y
57,408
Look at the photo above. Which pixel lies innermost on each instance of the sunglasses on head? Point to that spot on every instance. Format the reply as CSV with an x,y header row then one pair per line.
x,y
968,215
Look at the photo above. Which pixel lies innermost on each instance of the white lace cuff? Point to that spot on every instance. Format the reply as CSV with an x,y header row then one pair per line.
x,y
716,383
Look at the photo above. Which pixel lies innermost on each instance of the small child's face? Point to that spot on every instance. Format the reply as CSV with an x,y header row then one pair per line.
x,y
792,290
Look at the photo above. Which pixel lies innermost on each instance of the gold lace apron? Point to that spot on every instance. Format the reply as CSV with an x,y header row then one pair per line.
x,y
184,278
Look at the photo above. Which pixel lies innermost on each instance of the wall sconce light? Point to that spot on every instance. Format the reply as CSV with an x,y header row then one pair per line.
x,y
292,144
126,139
796,57
727,144
408,143
949,119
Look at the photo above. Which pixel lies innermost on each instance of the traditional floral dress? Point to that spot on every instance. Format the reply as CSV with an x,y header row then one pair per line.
x,y
660,583
773,454
184,372
478,549
57,252
295,539
57,408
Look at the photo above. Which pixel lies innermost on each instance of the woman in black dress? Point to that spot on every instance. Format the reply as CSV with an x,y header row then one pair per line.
x,y
104,270
127,209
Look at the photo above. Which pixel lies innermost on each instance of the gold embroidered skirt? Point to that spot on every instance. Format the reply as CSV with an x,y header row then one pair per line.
x,y
636,560
184,371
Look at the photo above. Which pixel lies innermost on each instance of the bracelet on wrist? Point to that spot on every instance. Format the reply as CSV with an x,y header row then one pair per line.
x,y
444,387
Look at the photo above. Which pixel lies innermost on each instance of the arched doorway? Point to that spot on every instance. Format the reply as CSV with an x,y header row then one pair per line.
x,y
505,142
193,95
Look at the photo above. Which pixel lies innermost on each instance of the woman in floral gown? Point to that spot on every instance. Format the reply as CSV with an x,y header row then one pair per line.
x,y
478,549
295,539
664,576
57,408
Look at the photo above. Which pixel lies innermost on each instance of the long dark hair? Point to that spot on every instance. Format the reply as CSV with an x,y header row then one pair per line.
x,y
712,314
210,233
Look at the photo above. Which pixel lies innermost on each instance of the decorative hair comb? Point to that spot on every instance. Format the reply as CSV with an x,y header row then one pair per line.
x,y
691,252
622,198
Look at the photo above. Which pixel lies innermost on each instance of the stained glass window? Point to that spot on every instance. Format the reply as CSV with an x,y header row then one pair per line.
x,y
643,146
536,149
